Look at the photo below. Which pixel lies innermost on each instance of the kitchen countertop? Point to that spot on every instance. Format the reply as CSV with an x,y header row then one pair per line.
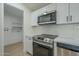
x,y
67,43
67,40
68,46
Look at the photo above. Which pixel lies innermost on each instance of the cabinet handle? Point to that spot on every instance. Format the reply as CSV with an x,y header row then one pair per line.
x,y
70,18
67,18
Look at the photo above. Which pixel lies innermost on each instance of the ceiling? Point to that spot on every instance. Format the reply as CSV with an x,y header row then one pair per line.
x,y
35,6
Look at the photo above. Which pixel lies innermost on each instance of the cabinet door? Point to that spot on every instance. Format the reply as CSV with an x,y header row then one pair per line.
x,y
74,53
59,51
62,13
74,12
40,11
66,52
63,52
34,18
50,7
28,45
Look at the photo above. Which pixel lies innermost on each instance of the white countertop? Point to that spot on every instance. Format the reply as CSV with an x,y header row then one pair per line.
x,y
67,40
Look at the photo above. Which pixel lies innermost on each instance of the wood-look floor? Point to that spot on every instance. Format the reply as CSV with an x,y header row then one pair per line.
x,y
15,50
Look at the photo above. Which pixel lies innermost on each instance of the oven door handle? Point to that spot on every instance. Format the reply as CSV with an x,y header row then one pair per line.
x,y
46,47
42,45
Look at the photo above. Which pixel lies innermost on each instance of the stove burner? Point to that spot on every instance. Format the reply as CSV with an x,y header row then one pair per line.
x,y
45,38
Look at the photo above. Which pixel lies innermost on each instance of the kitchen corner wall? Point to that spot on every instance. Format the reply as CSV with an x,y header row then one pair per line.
x,y
63,30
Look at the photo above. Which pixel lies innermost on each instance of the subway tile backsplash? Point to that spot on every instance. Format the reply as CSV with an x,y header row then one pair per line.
x,y
64,30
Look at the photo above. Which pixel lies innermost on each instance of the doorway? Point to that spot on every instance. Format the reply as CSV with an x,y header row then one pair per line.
x,y
13,31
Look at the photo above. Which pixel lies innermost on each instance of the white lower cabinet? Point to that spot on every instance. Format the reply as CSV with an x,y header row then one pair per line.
x,y
66,52
28,45
59,51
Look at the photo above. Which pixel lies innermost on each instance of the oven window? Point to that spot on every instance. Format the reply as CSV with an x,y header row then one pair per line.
x,y
40,50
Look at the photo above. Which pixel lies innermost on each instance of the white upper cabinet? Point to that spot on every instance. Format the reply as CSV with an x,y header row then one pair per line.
x,y
39,12
62,13
34,19
74,12
66,13
50,7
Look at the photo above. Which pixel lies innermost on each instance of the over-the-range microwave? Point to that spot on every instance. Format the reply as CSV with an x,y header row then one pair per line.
x,y
48,18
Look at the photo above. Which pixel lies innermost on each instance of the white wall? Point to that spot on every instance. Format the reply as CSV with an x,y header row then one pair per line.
x,y
12,36
1,29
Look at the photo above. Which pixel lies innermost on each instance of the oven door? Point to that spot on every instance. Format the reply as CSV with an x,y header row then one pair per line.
x,y
41,50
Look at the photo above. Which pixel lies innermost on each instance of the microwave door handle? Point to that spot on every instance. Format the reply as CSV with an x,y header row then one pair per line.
x,y
67,18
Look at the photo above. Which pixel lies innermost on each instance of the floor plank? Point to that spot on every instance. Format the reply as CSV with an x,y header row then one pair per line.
x,y
15,50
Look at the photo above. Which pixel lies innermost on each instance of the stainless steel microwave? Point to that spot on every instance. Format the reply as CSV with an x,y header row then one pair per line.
x,y
49,18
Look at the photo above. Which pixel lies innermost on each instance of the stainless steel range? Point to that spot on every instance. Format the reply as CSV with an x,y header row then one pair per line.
x,y
43,45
